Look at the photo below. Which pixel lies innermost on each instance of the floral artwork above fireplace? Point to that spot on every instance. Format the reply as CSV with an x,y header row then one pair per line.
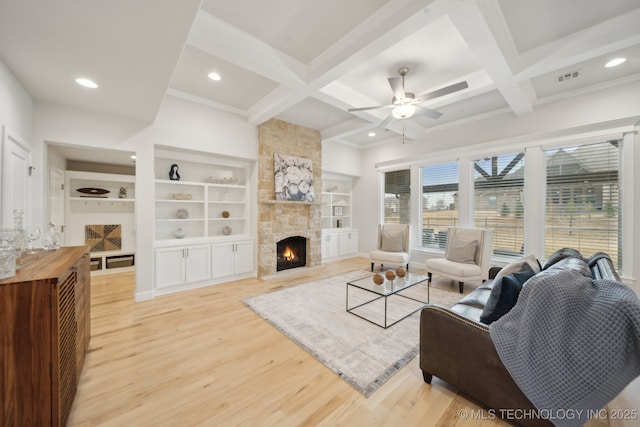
x,y
293,178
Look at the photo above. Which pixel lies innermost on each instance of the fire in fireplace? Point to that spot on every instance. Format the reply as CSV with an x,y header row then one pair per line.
x,y
291,253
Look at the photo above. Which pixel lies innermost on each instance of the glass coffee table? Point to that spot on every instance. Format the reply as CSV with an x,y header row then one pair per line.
x,y
374,303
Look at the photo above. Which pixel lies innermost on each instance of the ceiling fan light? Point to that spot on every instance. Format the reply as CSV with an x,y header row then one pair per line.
x,y
403,111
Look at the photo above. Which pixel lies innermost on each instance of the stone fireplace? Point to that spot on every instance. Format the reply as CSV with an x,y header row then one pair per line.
x,y
279,220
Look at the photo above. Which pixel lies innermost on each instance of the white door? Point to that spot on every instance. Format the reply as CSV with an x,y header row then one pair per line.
x,y
16,157
198,263
245,258
170,267
56,199
222,259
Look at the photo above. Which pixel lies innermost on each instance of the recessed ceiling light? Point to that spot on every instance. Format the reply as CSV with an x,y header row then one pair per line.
x,y
215,76
372,134
87,83
615,62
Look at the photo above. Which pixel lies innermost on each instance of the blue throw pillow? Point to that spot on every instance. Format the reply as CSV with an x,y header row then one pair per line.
x,y
504,295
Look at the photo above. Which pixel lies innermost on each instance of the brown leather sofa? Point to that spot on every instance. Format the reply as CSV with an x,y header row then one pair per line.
x,y
456,347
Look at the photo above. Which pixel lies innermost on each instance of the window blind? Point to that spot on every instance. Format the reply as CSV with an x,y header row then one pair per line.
x,y
498,202
439,203
583,199
397,197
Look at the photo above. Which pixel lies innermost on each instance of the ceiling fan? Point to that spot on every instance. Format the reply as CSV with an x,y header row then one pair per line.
x,y
405,104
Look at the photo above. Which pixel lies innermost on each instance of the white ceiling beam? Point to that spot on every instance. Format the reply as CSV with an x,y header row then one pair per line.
x,y
476,22
205,101
279,100
390,24
609,36
346,129
220,39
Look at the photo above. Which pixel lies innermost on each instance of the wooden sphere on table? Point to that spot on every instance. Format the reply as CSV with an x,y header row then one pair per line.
x,y
378,279
390,274
400,271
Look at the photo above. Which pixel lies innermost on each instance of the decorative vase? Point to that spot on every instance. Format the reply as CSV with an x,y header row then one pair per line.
x,y
173,173
123,193
182,213
179,233
225,214
226,230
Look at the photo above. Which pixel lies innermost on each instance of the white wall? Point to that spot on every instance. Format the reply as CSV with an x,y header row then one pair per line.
x,y
341,159
192,126
16,105
16,114
592,113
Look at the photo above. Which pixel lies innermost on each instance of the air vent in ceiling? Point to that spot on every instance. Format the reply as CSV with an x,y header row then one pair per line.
x,y
568,76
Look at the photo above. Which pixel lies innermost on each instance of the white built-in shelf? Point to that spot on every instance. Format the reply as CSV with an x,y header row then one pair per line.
x,y
209,199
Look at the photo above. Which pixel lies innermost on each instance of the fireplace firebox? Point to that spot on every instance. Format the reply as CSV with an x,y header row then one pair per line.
x,y
291,253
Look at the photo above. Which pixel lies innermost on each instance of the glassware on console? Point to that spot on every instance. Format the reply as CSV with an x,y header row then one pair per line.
x,y
7,253
32,234
51,240
19,229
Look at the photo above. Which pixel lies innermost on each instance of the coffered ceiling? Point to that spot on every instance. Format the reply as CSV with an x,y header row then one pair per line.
x,y
308,62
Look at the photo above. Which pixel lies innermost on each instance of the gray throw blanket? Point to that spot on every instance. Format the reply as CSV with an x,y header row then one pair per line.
x,y
570,343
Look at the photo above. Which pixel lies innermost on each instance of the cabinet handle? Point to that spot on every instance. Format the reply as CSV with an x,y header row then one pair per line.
x,y
187,249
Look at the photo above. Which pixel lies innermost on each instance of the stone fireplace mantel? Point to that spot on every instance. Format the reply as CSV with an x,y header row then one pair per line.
x,y
280,219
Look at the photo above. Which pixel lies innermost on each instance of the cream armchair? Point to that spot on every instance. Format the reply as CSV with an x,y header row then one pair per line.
x,y
393,246
467,256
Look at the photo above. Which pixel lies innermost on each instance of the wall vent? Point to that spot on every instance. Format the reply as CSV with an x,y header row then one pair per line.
x,y
568,76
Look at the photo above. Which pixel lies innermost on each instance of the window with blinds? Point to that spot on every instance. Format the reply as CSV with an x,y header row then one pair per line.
x,y
397,197
583,199
498,202
439,203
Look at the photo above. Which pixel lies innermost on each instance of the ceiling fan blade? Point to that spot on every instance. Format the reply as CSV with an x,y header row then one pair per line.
x,y
396,87
385,122
428,112
367,108
444,91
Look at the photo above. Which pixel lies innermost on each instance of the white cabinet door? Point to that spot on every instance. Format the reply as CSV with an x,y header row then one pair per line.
x,y
170,267
330,245
348,242
222,259
198,263
244,257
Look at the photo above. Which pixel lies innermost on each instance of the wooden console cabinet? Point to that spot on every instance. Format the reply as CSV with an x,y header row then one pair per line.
x,y
44,335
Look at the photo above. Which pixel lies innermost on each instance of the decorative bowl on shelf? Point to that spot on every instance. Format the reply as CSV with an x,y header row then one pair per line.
x,y
182,213
93,192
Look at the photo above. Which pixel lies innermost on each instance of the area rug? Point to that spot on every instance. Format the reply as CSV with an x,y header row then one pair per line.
x,y
313,315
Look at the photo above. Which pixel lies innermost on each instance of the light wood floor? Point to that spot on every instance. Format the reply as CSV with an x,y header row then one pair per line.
x,y
201,357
